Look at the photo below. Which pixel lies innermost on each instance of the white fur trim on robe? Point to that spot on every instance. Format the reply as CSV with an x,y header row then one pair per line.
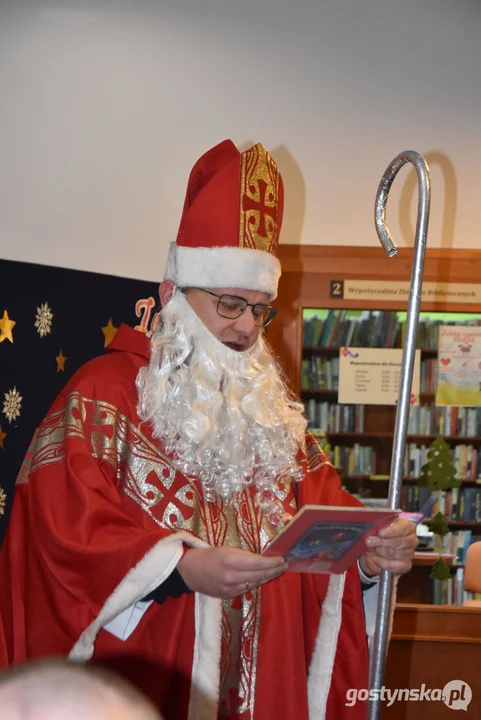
x,y
323,657
148,574
322,662
223,267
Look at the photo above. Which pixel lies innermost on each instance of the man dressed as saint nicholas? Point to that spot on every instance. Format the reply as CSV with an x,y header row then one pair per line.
x,y
165,468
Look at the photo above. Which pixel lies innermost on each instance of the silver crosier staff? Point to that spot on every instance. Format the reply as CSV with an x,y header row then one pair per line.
x,y
378,656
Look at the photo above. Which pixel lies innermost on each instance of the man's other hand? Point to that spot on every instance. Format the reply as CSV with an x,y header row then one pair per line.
x,y
392,549
226,572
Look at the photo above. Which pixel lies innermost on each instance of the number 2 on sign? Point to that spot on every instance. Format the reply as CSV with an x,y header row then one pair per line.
x,y
336,289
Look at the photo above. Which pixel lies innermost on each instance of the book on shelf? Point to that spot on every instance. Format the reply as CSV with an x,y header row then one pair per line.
x,y
429,375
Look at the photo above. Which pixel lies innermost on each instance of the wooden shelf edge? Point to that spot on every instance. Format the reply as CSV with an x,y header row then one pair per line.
x,y
437,639
333,351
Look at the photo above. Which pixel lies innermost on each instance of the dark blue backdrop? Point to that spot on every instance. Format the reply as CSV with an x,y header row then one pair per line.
x,y
82,304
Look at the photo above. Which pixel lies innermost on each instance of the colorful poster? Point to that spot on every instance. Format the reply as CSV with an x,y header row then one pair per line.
x,y
372,376
459,366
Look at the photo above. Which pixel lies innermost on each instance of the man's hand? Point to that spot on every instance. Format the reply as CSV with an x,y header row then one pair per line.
x,y
392,549
226,572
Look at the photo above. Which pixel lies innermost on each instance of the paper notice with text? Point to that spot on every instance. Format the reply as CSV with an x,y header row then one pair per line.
x,y
371,376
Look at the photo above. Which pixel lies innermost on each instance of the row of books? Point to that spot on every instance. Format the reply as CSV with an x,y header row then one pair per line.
x,y
354,460
456,544
450,592
464,421
376,328
331,417
414,498
423,419
445,420
339,328
459,504
320,373
466,459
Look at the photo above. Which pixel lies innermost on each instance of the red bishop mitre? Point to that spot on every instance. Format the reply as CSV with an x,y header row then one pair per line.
x,y
229,231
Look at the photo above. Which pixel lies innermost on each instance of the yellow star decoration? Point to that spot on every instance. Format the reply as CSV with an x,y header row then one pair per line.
x,y
6,327
3,498
109,332
2,437
60,362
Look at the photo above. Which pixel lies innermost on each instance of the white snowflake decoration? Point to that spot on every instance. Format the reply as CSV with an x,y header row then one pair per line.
x,y
3,500
12,404
43,320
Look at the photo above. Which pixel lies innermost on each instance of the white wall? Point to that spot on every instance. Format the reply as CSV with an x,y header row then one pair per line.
x,y
105,105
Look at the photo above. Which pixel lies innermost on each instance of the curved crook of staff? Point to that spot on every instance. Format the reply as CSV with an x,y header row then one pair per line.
x,y
378,656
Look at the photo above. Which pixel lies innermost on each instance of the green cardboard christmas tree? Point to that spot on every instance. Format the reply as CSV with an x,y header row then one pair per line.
x,y
439,474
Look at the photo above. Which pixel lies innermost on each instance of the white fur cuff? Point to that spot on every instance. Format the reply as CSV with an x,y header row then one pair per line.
x,y
150,572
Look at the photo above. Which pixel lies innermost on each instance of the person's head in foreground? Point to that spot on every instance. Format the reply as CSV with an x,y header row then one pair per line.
x,y
58,690
213,390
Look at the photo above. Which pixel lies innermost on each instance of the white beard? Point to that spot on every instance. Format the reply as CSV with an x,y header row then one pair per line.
x,y
225,417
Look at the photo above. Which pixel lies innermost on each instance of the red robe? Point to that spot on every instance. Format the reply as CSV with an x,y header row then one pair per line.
x,y
101,517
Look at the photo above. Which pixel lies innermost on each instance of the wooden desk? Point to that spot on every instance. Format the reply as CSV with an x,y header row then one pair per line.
x,y
432,645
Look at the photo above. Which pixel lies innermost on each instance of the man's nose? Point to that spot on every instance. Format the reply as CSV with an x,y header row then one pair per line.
x,y
245,323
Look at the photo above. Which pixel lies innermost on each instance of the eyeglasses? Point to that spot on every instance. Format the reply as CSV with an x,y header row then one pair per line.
x,y
232,307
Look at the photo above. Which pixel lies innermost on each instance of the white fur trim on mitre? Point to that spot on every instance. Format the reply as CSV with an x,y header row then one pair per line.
x,y
322,662
223,267
148,574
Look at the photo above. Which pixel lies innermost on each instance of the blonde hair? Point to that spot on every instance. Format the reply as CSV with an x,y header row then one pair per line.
x,y
54,689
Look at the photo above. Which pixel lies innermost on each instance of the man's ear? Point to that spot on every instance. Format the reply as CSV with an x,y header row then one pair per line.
x,y
166,291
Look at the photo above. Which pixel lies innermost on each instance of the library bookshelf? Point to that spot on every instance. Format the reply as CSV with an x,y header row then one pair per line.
x,y
360,437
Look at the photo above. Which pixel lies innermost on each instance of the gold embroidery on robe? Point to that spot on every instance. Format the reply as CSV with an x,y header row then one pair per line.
x,y
174,502
316,457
